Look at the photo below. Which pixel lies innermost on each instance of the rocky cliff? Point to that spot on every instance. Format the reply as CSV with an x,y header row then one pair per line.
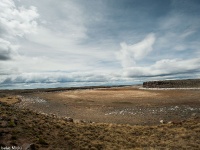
x,y
188,83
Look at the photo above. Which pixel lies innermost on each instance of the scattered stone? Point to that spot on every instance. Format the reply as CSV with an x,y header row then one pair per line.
x,y
68,119
170,122
194,115
176,122
27,146
52,115
82,121
162,121
43,114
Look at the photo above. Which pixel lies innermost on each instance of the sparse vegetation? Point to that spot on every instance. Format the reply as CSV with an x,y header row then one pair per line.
x,y
8,99
49,133
25,126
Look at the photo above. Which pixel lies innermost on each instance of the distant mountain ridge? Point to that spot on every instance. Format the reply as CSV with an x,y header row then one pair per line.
x,y
186,83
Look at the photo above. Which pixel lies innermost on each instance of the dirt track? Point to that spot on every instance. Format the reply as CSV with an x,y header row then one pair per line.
x,y
124,105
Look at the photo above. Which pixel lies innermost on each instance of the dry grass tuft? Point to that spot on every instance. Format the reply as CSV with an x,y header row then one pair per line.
x,y
9,99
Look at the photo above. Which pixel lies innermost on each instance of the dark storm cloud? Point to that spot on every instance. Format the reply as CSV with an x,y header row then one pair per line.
x,y
4,57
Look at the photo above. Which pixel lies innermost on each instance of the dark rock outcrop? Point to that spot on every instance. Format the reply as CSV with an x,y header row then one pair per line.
x,y
189,83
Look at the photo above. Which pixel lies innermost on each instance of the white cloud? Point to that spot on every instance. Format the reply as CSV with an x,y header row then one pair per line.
x,y
129,54
7,50
56,41
165,67
14,22
17,21
62,27
187,33
62,77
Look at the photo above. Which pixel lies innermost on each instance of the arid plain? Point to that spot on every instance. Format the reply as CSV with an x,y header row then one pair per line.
x,y
124,105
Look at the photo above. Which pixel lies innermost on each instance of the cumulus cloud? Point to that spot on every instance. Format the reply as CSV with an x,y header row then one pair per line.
x,y
129,54
14,22
17,21
7,50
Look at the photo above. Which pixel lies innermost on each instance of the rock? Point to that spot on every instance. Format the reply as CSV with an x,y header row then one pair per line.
x,y
32,147
27,146
68,119
162,121
194,115
82,121
79,121
190,83
52,115
176,122
170,122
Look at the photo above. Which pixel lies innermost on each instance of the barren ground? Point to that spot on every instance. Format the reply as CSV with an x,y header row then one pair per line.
x,y
30,123
123,105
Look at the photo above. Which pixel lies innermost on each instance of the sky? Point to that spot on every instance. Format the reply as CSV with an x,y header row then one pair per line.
x,y
65,43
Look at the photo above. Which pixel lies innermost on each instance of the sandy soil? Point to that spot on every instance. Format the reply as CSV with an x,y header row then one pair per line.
x,y
123,105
